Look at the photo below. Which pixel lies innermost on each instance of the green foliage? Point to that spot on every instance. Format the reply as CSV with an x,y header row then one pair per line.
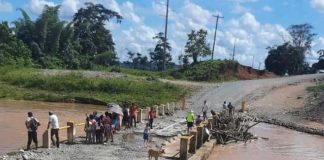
x,y
90,31
217,70
318,88
196,45
12,50
285,58
106,59
290,56
157,54
118,90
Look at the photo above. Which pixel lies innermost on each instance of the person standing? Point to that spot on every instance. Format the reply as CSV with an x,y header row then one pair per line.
x,y
205,110
54,125
151,117
225,107
230,109
146,134
132,113
190,120
32,124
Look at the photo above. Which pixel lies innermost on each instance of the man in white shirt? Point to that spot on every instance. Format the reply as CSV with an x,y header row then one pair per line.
x,y
54,125
205,110
32,124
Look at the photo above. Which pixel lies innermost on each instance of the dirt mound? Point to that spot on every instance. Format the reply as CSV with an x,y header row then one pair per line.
x,y
247,73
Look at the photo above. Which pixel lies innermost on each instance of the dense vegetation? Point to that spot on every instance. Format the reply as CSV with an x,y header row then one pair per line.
x,y
289,57
31,85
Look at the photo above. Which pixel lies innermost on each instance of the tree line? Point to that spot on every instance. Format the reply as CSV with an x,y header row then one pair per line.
x,y
85,41
49,42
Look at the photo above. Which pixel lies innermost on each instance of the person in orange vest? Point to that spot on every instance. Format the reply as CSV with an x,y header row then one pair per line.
x,y
132,113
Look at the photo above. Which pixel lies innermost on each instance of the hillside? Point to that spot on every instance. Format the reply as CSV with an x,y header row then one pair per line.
x,y
219,70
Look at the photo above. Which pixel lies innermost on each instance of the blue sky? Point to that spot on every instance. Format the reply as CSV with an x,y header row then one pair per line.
x,y
256,24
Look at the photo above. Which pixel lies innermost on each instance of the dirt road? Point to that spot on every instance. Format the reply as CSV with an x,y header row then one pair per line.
x,y
215,94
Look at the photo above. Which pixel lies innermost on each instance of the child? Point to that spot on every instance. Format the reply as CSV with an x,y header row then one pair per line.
x,y
146,134
87,129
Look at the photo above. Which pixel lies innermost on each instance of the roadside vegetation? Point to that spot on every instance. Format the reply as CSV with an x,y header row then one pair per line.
x,y
28,84
317,89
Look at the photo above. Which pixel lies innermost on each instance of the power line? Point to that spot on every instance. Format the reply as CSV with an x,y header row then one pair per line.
x,y
217,18
165,34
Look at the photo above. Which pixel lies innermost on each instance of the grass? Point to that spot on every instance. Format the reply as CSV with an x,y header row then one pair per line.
x,y
316,89
28,84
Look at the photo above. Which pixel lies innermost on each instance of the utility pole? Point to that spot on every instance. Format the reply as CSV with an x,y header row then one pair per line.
x,y
165,35
217,18
252,61
234,49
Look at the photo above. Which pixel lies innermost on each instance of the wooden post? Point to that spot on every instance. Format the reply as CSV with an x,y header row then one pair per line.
x,y
139,116
183,104
200,135
162,109
173,107
47,139
156,108
193,142
70,132
183,148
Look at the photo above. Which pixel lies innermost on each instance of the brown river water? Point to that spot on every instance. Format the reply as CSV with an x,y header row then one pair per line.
x,y
13,114
283,144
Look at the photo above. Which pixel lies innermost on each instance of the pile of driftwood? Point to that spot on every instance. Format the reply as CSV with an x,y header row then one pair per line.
x,y
232,128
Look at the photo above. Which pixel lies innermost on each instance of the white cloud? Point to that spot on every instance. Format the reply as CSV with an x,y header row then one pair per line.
x,y
238,8
267,9
5,6
36,6
317,4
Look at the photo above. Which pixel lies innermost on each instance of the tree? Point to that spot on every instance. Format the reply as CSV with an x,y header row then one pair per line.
x,y
290,56
90,31
42,36
157,54
302,36
12,50
285,58
320,54
197,45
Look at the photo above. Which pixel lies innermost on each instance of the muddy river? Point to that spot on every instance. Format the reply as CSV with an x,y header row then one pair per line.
x,y
283,144
13,133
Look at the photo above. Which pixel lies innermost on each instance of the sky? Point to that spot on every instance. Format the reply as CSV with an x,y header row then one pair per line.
x,y
255,24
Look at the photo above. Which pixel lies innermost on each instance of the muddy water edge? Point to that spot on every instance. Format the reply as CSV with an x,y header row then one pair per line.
x,y
13,114
283,144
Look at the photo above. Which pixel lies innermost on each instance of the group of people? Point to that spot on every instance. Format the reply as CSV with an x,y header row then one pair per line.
x,y
97,127
228,108
190,117
32,124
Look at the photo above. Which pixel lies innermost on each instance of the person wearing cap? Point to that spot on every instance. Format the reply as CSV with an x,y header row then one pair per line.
x,y
190,118
54,125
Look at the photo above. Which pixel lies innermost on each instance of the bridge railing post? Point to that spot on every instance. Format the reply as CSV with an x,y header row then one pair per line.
x,y
184,148
139,115
47,139
193,142
70,132
200,135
